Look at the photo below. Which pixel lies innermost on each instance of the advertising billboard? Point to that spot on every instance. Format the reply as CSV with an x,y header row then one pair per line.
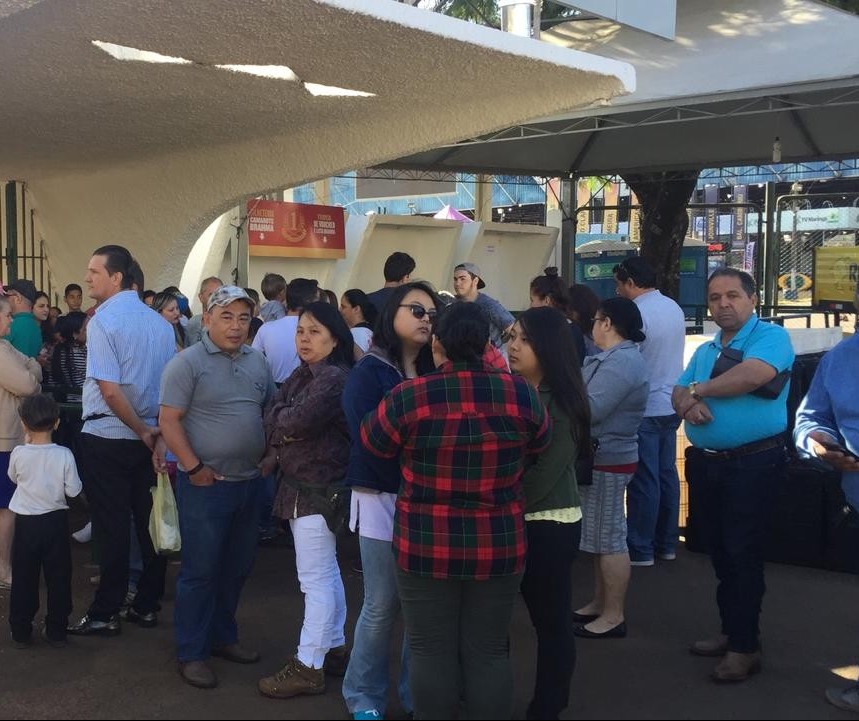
x,y
835,274
295,230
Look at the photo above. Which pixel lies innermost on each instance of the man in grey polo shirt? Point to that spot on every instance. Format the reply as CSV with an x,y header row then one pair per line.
x,y
213,396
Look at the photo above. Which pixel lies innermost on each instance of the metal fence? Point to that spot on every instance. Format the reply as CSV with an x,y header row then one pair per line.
x,y
804,224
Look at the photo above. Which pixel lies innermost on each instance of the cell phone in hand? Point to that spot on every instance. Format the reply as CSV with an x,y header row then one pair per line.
x,y
838,448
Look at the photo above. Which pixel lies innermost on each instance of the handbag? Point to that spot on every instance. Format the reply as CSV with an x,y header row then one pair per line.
x,y
164,518
332,502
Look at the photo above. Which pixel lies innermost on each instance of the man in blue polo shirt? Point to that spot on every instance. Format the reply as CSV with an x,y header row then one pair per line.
x,y
733,398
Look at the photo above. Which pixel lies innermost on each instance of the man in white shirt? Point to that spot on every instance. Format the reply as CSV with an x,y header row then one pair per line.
x,y
653,495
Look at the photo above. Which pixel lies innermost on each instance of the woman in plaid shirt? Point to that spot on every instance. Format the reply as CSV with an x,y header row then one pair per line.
x,y
462,434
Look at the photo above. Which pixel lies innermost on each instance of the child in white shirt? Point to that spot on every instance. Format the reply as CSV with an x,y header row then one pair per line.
x,y
45,474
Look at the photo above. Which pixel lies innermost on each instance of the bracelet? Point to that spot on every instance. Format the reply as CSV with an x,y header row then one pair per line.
x,y
195,469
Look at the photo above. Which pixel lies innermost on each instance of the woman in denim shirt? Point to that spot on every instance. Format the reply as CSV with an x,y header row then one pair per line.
x,y
618,388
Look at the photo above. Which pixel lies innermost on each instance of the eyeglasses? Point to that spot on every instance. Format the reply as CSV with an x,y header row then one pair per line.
x,y
418,311
598,318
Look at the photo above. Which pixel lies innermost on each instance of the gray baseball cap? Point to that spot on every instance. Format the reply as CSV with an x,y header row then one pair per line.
x,y
474,270
226,294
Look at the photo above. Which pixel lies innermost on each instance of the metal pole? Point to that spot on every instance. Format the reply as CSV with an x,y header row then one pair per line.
x,y
11,231
517,16
771,243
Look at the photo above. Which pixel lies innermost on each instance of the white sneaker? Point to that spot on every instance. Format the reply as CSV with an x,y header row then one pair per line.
x,y
84,535
648,562
671,556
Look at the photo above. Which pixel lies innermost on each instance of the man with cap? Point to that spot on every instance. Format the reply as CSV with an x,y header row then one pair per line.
x,y
467,282
213,398
24,333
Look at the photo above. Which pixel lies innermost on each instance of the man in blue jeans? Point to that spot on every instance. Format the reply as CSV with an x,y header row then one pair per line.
x,y
733,398
213,397
653,494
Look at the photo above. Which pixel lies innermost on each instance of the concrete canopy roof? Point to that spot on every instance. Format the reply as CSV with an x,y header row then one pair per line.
x,y
739,73
148,154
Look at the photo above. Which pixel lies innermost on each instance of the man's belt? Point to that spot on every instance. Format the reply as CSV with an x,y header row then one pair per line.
x,y
765,444
98,416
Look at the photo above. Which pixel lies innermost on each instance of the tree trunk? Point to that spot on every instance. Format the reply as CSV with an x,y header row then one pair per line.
x,y
663,197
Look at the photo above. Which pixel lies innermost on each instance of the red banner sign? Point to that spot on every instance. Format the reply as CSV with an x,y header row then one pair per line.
x,y
295,230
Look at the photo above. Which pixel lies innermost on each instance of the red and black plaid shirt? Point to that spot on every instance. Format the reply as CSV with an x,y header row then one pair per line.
x,y
462,433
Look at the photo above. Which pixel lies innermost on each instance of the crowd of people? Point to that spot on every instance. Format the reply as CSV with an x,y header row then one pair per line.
x,y
474,454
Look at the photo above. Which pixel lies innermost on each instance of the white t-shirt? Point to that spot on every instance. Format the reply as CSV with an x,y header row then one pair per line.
x,y
373,514
362,337
276,339
665,328
45,474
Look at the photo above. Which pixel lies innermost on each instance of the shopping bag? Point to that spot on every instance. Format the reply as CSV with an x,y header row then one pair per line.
x,y
164,519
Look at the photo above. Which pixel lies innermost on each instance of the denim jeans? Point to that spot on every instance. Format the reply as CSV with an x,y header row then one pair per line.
x,y
366,683
732,501
459,642
653,494
219,540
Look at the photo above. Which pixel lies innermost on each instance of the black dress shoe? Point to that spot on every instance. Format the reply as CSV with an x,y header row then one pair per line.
x,y
584,617
618,631
91,627
198,674
144,620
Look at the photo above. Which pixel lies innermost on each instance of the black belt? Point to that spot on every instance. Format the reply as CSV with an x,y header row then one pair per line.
x,y
765,444
98,416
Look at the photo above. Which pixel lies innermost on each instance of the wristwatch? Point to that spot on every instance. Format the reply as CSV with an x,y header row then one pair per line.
x,y
693,386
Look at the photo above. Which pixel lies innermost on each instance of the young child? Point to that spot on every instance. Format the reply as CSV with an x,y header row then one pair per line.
x,y
45,474
273,287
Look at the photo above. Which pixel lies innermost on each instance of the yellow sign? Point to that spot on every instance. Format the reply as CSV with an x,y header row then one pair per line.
x,y
836,273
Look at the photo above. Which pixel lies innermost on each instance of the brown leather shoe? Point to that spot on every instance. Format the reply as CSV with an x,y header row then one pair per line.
x,y
236,653
336,661
198,674
293,679
735,667
711,647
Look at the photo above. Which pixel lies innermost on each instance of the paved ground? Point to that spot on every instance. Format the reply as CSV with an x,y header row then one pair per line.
x,y
810,628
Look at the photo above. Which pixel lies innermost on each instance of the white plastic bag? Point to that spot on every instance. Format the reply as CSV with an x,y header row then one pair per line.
x,y
164,519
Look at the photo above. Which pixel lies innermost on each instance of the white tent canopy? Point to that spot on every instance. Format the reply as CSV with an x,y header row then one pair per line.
x,y
739,74
115,149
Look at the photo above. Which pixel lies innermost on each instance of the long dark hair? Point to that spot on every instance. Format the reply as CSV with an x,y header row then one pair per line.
x,y
547,333
583,306
67,326
358,299
329,316
385,337
159,302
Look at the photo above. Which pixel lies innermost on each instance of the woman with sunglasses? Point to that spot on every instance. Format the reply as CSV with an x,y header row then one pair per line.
x,y
540,350
617,386
400,350
307,433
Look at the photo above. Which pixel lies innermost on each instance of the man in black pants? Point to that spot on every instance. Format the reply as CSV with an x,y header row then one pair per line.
x,y
127,348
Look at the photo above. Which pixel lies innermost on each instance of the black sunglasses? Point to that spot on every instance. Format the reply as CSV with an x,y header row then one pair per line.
x,y
418,311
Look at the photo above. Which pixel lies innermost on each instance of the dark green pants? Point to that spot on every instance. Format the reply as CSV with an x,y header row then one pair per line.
x,y
458,638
